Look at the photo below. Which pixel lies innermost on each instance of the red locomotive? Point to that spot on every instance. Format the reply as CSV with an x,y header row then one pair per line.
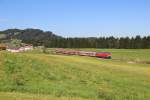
x,y
105,55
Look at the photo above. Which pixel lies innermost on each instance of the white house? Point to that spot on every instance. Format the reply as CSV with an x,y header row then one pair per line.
x,y
21,49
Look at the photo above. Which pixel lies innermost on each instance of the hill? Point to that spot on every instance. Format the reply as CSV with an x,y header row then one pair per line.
x,y
34,36
38,37
33,74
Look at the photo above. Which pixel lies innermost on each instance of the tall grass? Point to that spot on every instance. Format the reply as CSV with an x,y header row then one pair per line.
x,y
75,76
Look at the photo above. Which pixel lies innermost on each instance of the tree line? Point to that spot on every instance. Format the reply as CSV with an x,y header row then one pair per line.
x,y
48,39
103,42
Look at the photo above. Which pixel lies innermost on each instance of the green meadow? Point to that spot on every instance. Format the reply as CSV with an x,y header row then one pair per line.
x,y
38,76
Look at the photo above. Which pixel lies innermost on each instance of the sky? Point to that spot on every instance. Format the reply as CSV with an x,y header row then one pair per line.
x,y
78,18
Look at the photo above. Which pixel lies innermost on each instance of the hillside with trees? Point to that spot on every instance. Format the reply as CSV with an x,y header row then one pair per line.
x,y
38,37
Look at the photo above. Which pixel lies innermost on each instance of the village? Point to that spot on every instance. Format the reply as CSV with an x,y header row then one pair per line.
x,y
20,49
16,46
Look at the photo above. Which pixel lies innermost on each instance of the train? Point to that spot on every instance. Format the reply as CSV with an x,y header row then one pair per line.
x,y
105,55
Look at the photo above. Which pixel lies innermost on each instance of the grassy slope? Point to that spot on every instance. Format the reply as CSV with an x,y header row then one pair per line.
x,y
76,77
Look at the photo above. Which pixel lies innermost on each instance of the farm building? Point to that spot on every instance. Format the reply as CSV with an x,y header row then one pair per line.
x,y
25,47
3,47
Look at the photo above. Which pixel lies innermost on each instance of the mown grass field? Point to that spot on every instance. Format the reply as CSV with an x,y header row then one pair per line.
x,y
38,76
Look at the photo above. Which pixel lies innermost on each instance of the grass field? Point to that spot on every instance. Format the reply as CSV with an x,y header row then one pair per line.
x,y
38,76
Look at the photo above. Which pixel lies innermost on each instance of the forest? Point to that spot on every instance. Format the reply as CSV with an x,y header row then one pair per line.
x,y
39,37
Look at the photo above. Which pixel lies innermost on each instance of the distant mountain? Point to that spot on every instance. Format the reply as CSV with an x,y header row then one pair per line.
x,y
34,36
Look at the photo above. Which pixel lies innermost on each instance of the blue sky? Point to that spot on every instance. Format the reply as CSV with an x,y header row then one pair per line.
x,y
78,18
